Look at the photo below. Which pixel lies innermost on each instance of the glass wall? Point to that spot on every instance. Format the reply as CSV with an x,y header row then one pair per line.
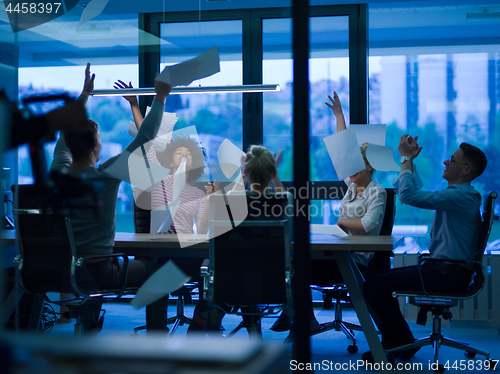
x,y
434,73
52,59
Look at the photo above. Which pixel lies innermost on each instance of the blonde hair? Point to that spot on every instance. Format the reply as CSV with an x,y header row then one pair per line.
x,y
259,166
363,153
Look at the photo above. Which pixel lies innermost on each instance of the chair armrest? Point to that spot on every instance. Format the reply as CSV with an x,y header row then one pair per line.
x,y
205,277
121,291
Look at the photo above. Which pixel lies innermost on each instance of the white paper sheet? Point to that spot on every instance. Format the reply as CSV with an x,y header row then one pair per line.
x,y
182,74
328,229
140,175
373,134
92,10
179,179
166,279
164,135
345,154
229,156
380,158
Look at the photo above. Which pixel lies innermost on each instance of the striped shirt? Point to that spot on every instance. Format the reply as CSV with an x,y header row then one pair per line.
x,y
191,207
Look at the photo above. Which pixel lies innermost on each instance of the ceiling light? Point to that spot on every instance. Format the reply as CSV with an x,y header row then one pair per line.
x,y
485,15
189,90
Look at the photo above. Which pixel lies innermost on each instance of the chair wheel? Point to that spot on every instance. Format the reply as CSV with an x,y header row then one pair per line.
x,y
440,369
352,349
470,354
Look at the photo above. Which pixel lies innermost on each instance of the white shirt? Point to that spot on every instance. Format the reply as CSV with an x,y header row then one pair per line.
x,y
370,207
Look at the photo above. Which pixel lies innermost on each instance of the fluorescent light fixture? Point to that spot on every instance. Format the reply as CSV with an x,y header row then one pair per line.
x,y
189,90
485,15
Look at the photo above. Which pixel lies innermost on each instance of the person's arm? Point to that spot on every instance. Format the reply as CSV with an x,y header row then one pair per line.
x,y
278,186
202,222
408,147
374,213
337,111
62,155
146,133
134,106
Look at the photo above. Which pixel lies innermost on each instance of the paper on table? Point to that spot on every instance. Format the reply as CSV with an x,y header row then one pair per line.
x,y
92,10
373,134
328,229
166,279
380,158
182,74
229,156
345,154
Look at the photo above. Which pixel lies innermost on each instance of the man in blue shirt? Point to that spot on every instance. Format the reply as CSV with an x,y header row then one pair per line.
x,y
454,235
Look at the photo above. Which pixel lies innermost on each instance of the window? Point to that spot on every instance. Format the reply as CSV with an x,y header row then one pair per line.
x,y
435,74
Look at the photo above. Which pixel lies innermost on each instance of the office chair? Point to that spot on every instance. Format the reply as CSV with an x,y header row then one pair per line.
x,y
439,303
48,259
249,269
339,291
142,222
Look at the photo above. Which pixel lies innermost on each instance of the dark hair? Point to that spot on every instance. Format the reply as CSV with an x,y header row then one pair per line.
x,y
198,154
81,144
475,158
259,165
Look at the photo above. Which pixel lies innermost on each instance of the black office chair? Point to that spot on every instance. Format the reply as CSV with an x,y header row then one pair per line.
x,y
249,269
339,292
142,222
440,304
48,259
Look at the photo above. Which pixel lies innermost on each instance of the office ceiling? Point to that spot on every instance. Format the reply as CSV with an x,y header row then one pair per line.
x,y
439,26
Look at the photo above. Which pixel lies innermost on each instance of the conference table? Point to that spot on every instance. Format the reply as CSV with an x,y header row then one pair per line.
x,y
323,246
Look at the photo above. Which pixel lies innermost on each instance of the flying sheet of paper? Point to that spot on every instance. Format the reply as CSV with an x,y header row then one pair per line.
x,y
146,178
179,179
380,158
168,220
328,229
345,154
166,279
164,135
92,10
182,74
373,134
229,156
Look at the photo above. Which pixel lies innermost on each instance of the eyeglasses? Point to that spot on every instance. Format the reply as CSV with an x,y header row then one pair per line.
x,y
452,159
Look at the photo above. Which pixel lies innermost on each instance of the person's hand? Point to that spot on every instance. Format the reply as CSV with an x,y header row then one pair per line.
x,y
132,99
162,90
408,146
72,116
212,187
88,85
335,104
418,149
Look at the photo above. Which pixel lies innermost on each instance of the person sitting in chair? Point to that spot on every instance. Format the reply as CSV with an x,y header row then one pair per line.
x,y
454,235
361,213
94,235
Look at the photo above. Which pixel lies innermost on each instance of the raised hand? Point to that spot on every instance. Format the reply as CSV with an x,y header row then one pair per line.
x,y
212,187
335,104
408,146
132,99
162,90
88,85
